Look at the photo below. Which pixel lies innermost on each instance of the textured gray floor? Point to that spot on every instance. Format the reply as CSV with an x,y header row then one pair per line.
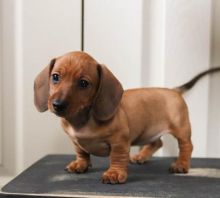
x,y
152,179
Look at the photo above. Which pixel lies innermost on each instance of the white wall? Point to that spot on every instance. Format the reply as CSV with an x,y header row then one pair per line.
x,y
213,138
153,42
33,33
1,83
52,33
188,32
113,35
8,147
177,46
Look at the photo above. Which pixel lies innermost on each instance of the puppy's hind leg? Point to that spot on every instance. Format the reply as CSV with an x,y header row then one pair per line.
x,y
146,152
182,163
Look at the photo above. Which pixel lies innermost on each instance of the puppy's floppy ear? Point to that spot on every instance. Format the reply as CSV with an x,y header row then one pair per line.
x,y
108,95
41,87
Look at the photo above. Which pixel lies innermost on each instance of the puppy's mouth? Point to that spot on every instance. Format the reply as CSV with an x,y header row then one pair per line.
x,y
70,113
66,112
59,113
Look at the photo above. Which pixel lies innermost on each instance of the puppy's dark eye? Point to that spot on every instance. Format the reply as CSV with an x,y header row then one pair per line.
x,y
55,78
83,83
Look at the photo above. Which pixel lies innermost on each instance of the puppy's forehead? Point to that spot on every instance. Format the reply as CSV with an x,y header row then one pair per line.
x,y
76,62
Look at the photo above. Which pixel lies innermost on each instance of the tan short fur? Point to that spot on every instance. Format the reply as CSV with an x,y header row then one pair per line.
x,y
103,119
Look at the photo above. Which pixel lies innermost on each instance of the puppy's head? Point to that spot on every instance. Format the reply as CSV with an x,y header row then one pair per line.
x,y
74,82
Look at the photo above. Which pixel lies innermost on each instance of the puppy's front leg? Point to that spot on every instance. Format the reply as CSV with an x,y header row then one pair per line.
x,y
82,162
119,158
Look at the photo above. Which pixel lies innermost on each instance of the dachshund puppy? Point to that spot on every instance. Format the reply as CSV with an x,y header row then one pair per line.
x,y
104,120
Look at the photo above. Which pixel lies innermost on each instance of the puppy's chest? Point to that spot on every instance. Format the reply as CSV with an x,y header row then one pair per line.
x,y
89,140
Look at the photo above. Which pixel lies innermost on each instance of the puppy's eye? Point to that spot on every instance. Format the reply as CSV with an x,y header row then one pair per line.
x,y
83,83
55,78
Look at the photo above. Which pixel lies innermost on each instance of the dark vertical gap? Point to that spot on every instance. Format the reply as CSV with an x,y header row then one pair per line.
x,y
82,25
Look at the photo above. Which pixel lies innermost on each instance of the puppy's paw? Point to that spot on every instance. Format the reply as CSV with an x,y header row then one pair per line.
x,y
179,167
138,159
114,176
77,166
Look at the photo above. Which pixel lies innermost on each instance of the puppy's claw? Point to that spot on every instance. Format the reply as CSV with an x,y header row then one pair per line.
x,y
179,167
78,166
67,170
138,159
114,177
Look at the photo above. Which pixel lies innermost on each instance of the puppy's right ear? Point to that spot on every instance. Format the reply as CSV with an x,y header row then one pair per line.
x,y
41,87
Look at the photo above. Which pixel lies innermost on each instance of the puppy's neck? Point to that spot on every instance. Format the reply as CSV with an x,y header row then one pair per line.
x,y
80,119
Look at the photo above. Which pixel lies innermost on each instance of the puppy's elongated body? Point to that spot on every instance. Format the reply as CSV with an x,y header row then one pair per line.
x,y
102,119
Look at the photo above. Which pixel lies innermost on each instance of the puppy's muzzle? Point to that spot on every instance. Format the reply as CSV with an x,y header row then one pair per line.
x,y
59,106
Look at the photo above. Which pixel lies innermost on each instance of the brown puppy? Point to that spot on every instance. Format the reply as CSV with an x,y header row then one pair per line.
x,y
102,119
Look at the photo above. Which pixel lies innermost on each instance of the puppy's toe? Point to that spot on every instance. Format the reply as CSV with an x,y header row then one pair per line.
x,y
114,177
138,159
179,167
78,166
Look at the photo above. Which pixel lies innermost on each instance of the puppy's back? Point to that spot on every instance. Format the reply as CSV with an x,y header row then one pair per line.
x,y
153,110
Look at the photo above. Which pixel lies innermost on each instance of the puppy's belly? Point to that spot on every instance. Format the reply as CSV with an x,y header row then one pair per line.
x,y
95,147
145,138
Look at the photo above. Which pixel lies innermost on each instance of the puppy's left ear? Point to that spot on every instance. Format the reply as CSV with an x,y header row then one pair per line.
x,y
41,87
108,95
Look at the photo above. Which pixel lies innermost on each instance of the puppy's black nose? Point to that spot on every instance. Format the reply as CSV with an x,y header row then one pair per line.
x,y
58,105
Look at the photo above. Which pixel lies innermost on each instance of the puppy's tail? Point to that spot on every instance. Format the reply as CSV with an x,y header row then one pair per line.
x,y
185,87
